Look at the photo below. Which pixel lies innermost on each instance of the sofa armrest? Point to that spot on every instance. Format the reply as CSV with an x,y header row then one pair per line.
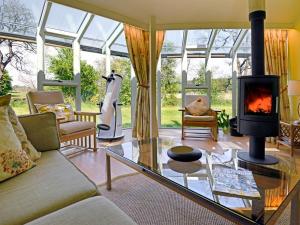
x,y
41,130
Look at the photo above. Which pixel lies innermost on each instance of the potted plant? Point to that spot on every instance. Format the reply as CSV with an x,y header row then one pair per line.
x,y
223,121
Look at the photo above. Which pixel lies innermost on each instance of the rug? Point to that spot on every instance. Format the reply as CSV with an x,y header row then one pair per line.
x,y
149,203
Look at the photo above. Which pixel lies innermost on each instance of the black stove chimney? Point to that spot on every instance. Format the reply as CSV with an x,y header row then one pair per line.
x,y
257,42
252,125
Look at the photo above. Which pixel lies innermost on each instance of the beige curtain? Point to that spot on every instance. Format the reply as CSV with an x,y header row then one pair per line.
x,y
138,48
276,52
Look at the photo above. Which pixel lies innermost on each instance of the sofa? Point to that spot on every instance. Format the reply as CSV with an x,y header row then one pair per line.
x,y
54,191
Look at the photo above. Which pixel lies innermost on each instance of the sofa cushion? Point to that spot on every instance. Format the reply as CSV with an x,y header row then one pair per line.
x,y
53,184
13,159
41,130
20,132
75,126
92,211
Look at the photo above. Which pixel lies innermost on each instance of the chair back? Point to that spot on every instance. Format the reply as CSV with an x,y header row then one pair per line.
x,y
43,97
190,98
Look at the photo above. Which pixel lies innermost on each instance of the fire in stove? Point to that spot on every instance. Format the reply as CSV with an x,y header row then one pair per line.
x,y
258,100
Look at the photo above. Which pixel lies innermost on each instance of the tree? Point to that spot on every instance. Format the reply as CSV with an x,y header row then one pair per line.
x,y
122,67
15,18
5,84
169,82
62,68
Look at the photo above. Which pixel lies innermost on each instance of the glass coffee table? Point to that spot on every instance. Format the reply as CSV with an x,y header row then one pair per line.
x,y
278,185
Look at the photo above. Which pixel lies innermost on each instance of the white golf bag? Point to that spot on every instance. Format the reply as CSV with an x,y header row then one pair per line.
x,y
110,126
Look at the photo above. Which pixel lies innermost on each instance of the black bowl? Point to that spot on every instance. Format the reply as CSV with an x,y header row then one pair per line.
x,y
184,153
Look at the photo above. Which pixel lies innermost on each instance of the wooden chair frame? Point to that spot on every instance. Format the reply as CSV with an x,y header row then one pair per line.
x,y
86,139
82,138
213,125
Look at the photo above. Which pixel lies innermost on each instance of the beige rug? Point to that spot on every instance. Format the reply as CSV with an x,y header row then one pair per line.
x,y
149,203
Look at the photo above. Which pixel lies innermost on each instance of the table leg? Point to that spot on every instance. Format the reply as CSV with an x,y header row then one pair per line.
x,y
295,210
108,173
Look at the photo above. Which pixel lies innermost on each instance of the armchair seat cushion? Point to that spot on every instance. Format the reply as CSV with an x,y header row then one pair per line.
x,y
75,126
204,118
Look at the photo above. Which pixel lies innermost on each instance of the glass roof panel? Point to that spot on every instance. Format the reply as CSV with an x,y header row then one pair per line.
x,y
20,17
173,42
98,31
224,41
245,46
65,18
120,44
198,38
58,40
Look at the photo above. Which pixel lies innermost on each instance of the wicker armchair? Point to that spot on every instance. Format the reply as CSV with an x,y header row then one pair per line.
x,y
289,135
81,132
208,120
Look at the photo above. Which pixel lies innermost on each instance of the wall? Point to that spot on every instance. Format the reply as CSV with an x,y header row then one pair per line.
x,y
294,63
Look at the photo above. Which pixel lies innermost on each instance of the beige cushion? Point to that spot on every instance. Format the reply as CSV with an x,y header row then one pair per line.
x,y
199,118
198,107
75,126
41,130
19,131
13,160
43,97
53,184
92,211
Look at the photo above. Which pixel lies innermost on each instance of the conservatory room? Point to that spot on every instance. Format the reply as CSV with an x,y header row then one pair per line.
x,y
149,112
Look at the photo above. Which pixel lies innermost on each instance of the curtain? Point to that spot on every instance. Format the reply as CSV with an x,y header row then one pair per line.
x,y
138,48
276,54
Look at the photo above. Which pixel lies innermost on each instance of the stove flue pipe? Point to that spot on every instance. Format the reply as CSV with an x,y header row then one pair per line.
x,y
257,15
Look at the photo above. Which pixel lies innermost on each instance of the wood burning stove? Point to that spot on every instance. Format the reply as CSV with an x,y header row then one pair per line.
x,y
258,99
258,105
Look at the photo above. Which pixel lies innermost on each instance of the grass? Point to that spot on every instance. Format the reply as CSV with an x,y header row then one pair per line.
x,y
170,116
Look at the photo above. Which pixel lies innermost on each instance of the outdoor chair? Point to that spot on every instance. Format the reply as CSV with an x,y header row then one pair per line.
x,y
208,120
79,132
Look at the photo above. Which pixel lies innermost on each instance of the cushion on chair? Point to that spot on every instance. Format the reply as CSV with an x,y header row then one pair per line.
x,y
63,111
92,211
198,107
43,97
75,126
199,118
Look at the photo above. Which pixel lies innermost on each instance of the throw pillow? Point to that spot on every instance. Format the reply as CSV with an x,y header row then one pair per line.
x,y
198,107
63,111
13,160
19,131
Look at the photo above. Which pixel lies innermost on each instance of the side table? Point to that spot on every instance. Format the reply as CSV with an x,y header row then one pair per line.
x,y
289,135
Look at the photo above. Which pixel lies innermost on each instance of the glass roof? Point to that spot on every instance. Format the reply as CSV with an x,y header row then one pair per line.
x,y
225,39
98,31
245,46
63,18
20,17
173,42
198,38
120,44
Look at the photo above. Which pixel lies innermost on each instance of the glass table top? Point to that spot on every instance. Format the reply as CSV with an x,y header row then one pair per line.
x,y
274,183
